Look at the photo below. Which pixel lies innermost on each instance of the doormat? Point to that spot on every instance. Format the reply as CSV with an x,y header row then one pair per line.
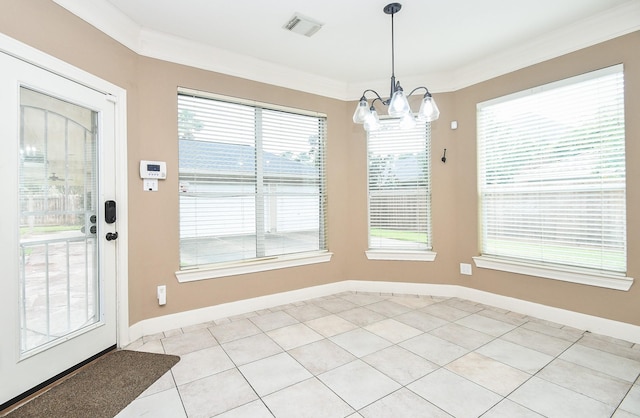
x,y
100,389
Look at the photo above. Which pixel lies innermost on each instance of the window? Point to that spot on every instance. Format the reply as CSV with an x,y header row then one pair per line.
x,y
552,175
252,181
399,188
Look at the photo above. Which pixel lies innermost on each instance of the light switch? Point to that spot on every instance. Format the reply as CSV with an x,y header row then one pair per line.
x,y
150,185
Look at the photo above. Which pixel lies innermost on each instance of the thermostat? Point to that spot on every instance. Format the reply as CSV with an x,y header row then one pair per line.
x,y
153,170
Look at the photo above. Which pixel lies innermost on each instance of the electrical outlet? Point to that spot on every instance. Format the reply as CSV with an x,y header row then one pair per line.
x,y
162,295
465,269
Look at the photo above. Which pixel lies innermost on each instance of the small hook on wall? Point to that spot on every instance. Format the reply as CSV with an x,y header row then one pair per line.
x,y
444,156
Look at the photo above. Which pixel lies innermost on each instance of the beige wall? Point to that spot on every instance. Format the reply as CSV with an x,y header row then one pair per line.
x,y
153,239
611,304
455,219
156,264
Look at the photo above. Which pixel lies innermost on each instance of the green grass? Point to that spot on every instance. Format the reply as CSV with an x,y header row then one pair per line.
x,y
556,253
398,234
44,229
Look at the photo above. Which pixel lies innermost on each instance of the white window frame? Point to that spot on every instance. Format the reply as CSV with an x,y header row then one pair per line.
x,y
260,264
573,274
390,127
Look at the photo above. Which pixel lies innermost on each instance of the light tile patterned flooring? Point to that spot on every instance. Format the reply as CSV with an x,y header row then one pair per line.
x,y
371,355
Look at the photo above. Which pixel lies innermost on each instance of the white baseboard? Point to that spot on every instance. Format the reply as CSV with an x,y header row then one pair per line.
x,y
577,320
210,313
595,324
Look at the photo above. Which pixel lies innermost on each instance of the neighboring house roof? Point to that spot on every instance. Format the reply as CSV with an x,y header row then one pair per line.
x,y
407,169
215,157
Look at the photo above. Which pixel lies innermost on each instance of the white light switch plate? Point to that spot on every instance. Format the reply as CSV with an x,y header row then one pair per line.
x,y
150,185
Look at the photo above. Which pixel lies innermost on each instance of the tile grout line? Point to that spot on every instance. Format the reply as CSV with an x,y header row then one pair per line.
x,y
237,368
473,351
402,386
588,396
385,297
625,395
184,408
357,358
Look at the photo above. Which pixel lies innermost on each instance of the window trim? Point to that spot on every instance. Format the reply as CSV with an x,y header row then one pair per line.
x,y
234,268
260,264
572,274
591,277
247,102
401,255
406,254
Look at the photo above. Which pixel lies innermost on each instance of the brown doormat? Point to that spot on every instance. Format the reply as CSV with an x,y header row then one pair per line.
x,y
102,388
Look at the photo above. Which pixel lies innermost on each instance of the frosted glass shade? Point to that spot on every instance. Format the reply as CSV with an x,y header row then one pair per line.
x,y
362,110
399,105
428,109
407,121
372,121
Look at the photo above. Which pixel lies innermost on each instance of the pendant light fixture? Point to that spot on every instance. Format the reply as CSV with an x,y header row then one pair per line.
x,y
397,103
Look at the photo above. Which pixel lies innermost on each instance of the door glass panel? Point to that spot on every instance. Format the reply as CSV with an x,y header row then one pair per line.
x,y
59,287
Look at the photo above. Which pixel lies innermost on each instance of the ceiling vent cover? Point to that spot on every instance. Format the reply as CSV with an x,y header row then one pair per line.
x,y
302,25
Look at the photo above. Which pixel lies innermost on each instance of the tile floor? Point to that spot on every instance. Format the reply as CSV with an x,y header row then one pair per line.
x,y
371,355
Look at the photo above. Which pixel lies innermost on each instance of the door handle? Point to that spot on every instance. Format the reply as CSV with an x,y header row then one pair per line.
x,y
111,236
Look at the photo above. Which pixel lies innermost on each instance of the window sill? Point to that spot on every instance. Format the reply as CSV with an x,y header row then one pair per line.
x,y
214,271
567,274
401,255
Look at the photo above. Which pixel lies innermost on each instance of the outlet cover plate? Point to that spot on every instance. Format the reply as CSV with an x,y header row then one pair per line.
x,y
465,269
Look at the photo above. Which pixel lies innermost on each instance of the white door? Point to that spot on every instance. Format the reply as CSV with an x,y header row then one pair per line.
x,y
58,282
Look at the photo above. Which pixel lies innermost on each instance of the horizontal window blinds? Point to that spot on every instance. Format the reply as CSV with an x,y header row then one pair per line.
x,y
399,187
252,181
552,173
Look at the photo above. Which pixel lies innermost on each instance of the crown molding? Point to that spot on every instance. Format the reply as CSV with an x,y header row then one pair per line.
x,y
611,24
101,14
106,18
195,54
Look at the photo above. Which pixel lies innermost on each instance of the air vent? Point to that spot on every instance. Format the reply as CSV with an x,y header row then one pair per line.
x,y
302,25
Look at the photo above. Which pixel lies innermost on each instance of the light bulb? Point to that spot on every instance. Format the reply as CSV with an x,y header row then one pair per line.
x,y
407,121
428,109
399,105
372,121
362,110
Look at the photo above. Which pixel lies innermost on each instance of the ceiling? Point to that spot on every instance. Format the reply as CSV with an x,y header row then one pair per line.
x,y
441,44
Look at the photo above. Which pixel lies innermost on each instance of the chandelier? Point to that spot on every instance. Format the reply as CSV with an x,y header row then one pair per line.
x,y
398,104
